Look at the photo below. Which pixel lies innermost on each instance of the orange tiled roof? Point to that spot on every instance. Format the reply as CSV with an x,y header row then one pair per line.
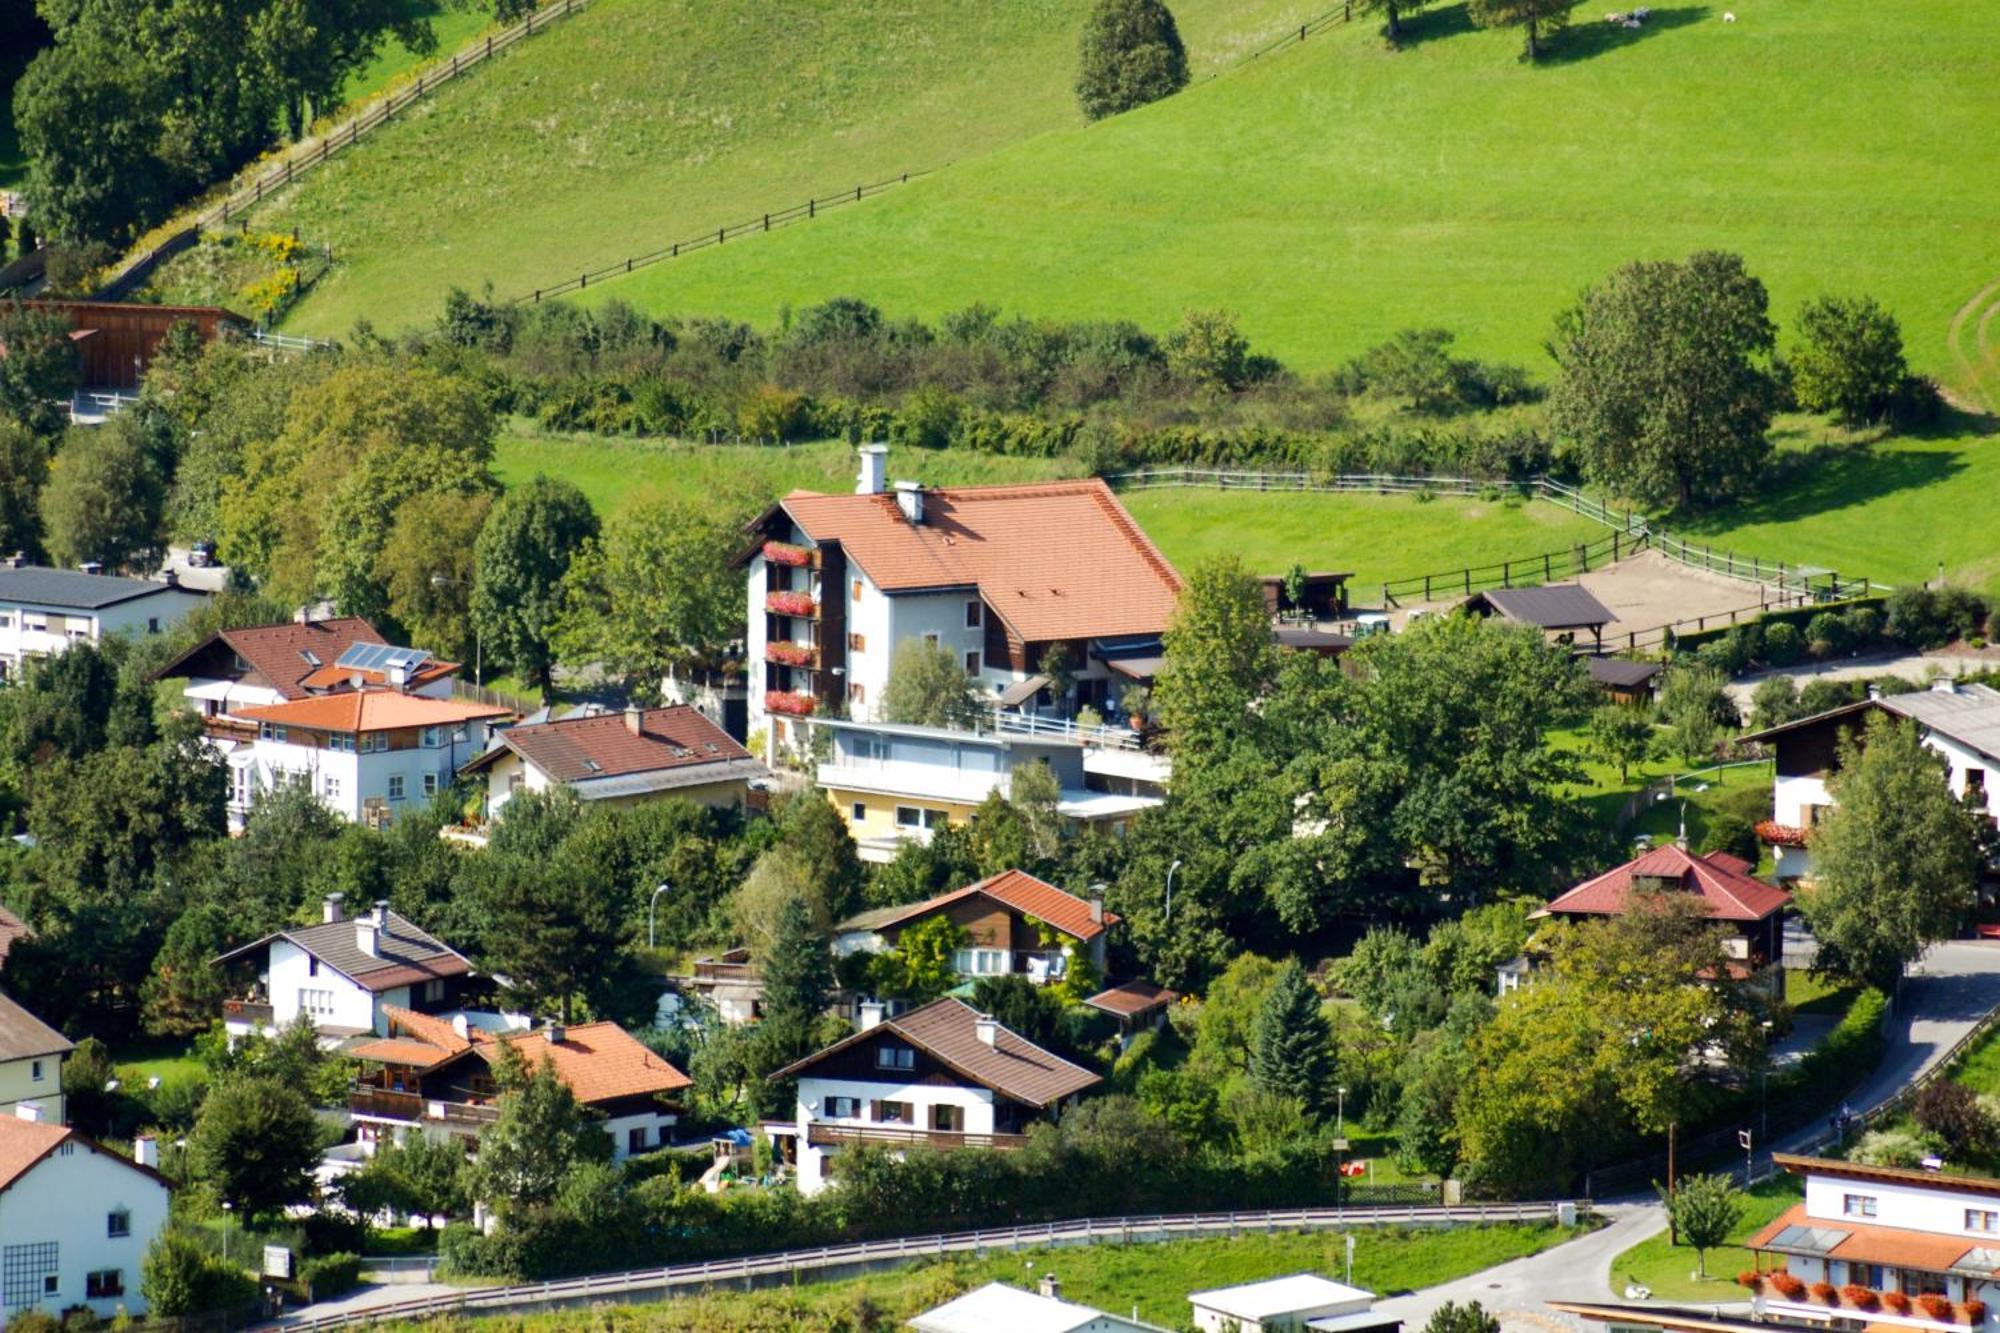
x,y
568,748
1015,889
371,710
24,1143
278,652
1867,1243
1731,894
400,1051
599,1061
333,676
1059,560
425,1027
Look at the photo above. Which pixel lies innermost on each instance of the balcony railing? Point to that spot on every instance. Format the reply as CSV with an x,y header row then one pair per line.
x,y
708,970
823,1135
228,729
248,1011
389,1104
785,653
790,604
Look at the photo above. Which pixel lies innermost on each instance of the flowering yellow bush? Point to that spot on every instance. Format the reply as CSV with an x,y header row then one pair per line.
x,y
279,246
267,296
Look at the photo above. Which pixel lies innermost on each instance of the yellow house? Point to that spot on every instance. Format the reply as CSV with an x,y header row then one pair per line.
x,y
31,1060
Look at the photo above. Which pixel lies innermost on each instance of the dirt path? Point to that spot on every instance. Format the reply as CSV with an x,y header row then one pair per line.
x,y
1979,361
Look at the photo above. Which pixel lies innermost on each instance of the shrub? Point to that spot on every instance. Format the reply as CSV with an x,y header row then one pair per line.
x,y
1826,634
330,1275
1826,1293
1934,1305
34,1321
1750,1278
180,1277
1953,1113
1896,1302
1931,617
1864,624
1131,55
1889,1147
1783,644
1788,1285
928,419
1860,1297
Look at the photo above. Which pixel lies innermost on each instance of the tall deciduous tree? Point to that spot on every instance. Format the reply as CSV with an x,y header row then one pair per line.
x,y
257,1142
1622,736
1704,1210
1895,861
551,929
1535,18
426,569
104,499
1291,1046
24,471
1132,54
1663,393
39,372
523,556
1471,1317
1220,655
1848,359
928,688
1392,12
542,1135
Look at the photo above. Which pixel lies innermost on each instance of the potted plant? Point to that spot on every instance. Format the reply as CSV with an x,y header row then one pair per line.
x,y
1858,1296
1788,1285
1750,1278
1895,1302
1826,1293
1935,1306
1138,704
1974,1311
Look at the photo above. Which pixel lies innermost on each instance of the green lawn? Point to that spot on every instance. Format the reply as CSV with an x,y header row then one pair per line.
x,y
160,1058
1376,537
640,121
1154,1278
454,28
1669,1269
1339,191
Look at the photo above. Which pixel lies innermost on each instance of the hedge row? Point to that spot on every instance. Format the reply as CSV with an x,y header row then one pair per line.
x,y
1796,616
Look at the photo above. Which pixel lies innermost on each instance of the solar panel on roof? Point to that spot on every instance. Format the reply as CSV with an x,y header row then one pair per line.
x,y
1806,1240
382,657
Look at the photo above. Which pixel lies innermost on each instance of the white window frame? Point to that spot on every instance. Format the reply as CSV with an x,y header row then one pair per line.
x,y
430,784
395,786
1982,1220
843,1108
1857,1205
902,1059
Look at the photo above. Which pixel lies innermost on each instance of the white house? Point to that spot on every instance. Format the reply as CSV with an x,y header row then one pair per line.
x,y
997,1306
1960,722
894,784
43,611
1007,578
1920,1248
31,1061
621,758
345,974
942,1074
75,1221
1284,1304
256,665
369,754
1012,923
435,1076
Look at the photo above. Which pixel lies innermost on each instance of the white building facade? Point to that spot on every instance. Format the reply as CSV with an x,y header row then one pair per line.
x,y
75,1222
44,611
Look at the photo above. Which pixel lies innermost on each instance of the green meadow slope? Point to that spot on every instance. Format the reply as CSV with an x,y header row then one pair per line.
x,y
640,121
1341,190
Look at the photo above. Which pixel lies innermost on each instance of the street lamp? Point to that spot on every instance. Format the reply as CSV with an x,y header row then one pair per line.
x,y
1340,1112
1764,1086
652,925
1168,914
478,639
226,1206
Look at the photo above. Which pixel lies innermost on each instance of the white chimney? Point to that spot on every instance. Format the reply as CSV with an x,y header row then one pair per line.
x,y
988,1029
1944,685
873,478
461,1028
330,910
28,1111
1096,908
381,914
146,1151
910,499
871,1014
399,675
365,934
635,719
557,1034
1050,1287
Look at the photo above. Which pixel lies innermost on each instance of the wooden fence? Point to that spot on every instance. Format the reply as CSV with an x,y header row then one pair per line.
x,y
250,186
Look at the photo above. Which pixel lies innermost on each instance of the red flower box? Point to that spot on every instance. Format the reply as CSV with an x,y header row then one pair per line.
x,y
790,603
1934,1306
1974,1311
1788,1285
1780,835
784,553
1750,1278
786,701
1896,1302
1860,1297
788,654
1826,1293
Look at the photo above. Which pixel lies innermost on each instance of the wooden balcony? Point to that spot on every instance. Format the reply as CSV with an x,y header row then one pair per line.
x,y
228,729
247,1011
824,1135
388,1104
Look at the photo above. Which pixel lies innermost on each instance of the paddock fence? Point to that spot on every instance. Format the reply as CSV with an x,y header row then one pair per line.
x,y
660,1283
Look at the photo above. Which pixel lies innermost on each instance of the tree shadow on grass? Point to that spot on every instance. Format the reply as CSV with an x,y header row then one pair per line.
x,y
1588,37
1432,24
1827,478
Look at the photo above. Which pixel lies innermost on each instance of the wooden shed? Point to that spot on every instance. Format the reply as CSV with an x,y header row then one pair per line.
x,y
116,340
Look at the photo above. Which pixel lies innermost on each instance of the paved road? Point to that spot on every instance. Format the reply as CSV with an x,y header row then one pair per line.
x,y
1949,992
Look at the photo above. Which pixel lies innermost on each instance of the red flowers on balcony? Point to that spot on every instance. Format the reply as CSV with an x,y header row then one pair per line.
x,y
1788,1286
784,553
1780,835
789,702
785,653
1854,1296
790,604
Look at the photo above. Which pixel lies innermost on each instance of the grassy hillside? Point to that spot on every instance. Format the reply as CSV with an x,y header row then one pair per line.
x,y
1342,190
640,121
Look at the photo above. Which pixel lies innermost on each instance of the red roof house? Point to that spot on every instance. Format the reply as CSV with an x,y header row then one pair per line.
x,y
1734,896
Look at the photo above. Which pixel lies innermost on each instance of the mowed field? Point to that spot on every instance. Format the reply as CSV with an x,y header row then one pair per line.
x,y
636,122
1338,191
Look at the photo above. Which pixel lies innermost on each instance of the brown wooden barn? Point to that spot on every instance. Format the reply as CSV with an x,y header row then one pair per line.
x,y
116,340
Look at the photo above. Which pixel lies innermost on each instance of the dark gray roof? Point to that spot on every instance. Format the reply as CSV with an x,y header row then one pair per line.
x,y
403,954
1557,606
1312,640
1968,714
1623,672
34,585
23,1036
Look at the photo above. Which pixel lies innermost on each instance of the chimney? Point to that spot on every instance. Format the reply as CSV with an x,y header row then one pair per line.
x,y
381,914
330,910
172,578
146,1151
16,560
1050,1287
1096,908
366,936
910,499
1874,691
987,1028
871,1014
28,1111
1944,685
461,1028
92,567
399,675
873,478
635,719
557,1034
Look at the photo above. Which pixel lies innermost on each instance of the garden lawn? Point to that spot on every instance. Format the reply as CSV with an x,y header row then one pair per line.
x,y
1979,1068
1155,1278
1337,191
1374,537
163,1059
1669,1269
614,472
636,122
